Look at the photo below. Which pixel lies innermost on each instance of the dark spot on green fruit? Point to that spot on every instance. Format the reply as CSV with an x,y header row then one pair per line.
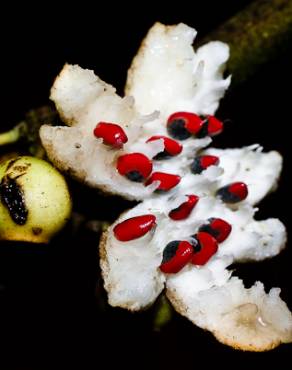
x,y
37,230
12,198
21,169
11,163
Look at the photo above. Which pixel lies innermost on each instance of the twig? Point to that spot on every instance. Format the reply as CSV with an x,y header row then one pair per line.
x,y
256,35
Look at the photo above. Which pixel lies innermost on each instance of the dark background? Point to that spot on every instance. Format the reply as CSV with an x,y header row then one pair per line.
x,y
52,310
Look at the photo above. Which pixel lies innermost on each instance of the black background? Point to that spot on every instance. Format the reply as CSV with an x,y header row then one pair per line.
x,y
50,315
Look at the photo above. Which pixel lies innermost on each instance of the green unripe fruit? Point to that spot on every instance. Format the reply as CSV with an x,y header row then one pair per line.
x,y
34,200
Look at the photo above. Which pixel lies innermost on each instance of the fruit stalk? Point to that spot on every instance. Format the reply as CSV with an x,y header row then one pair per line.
x,y
13,135
27,131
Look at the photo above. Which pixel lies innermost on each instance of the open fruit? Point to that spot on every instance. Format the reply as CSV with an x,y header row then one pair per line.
x,y
201,201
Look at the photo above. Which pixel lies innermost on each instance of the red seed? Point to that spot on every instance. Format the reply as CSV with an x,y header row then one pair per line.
x,y
209,160
171,147
218,228
211,126
167,180
112,134
135,166
233,193
215,126
185,209
175,256
240,189
191,122
207,246
203,162
134,227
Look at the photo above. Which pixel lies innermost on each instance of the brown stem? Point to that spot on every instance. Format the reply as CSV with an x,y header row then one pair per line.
x,y
256,35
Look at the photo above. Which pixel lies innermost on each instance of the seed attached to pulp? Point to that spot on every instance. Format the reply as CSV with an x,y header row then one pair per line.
x,y
135,166
175,256
205,246
218,228
185,209
233,193
167,180
181,125
211,126
111,133
171,147
202,162
134,227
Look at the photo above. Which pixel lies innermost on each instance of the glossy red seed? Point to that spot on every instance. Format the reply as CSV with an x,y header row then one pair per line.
x,y
218,228
209,160
175,256
240,189
167,180
203,162
208,247
185,209
134,227
193,122
171,146
233,193
134,163
215,126
111,133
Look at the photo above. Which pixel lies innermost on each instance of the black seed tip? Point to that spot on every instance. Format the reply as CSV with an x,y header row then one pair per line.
x,y
204,130
162,155
227,196
196,167
207,228
177,130
135,176
170,250
177,209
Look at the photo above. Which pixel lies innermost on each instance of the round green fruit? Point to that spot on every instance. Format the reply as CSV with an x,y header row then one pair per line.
x,y
35,202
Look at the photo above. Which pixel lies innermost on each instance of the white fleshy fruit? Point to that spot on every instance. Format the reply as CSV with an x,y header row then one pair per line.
x,y
168,76
83,100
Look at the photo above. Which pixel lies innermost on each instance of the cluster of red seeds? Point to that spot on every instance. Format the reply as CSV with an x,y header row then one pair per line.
x,y
180,125
138,167
198,250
